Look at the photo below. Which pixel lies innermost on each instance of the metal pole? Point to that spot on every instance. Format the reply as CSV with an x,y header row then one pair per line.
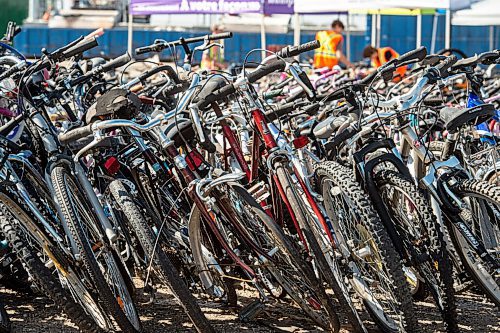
x,y
373,42
492,37
348,41
296,29
419,30
31,10
379,28
130,33
434,33
447,38
263,36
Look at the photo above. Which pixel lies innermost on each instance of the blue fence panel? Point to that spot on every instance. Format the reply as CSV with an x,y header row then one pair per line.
x,y
114,41
399,32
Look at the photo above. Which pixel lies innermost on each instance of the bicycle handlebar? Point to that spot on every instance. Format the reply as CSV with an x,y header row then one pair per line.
x,y
14,69
78,46
75,134
159,46
443,67
118,62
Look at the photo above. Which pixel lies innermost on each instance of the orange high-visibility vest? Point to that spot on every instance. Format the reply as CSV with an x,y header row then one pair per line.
x,y
326,54
214,55
382,59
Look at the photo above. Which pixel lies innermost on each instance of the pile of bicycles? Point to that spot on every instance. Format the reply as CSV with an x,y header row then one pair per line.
x,y
352,197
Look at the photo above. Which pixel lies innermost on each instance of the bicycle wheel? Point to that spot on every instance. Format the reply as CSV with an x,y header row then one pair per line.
x,y
375,268
318,243
205,256
422,237
283,267
482,216
97,258
164,268
286,265
41,274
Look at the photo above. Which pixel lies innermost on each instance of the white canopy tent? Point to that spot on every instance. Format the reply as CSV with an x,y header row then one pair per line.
x,y
483,13
330,6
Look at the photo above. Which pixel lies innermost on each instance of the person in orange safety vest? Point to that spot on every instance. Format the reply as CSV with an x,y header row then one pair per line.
x,y
329,54
381,56
213,58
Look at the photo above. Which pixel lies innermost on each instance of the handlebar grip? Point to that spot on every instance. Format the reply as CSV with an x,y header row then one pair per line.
x,y
81,47
446,64
265,70
217,95
75,134
292,51
115,63
144,49
309,46
432,59
312,109
417,54
12,70
341,137
57,53
280,111
222,35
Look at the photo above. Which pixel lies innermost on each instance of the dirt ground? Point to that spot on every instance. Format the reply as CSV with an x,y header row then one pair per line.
x,y
35,314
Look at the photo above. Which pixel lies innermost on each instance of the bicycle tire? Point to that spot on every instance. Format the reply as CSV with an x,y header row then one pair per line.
x,y
442,291
298,210
485,191
60,177
344,183
164,267
302,268
42,275
267,227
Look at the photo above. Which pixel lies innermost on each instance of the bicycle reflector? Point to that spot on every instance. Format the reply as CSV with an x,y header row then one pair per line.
x,y
194,160
112,165
300,141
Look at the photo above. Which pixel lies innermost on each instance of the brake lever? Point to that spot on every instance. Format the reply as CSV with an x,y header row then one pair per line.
x,y
296,70
207,45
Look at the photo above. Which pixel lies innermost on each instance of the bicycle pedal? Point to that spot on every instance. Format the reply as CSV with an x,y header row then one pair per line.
x,y
251,311
149,291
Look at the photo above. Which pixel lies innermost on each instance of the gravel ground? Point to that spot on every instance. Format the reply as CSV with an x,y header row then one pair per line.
x,y
35,314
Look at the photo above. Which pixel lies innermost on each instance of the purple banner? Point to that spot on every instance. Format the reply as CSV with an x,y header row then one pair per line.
x,y
278,7
147,7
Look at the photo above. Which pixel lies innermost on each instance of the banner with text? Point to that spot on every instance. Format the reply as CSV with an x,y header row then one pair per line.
x,y
268,7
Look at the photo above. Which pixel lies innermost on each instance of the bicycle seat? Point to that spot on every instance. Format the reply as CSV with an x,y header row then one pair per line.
x,y
327,127
466,62
214,83
178,128
454,118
